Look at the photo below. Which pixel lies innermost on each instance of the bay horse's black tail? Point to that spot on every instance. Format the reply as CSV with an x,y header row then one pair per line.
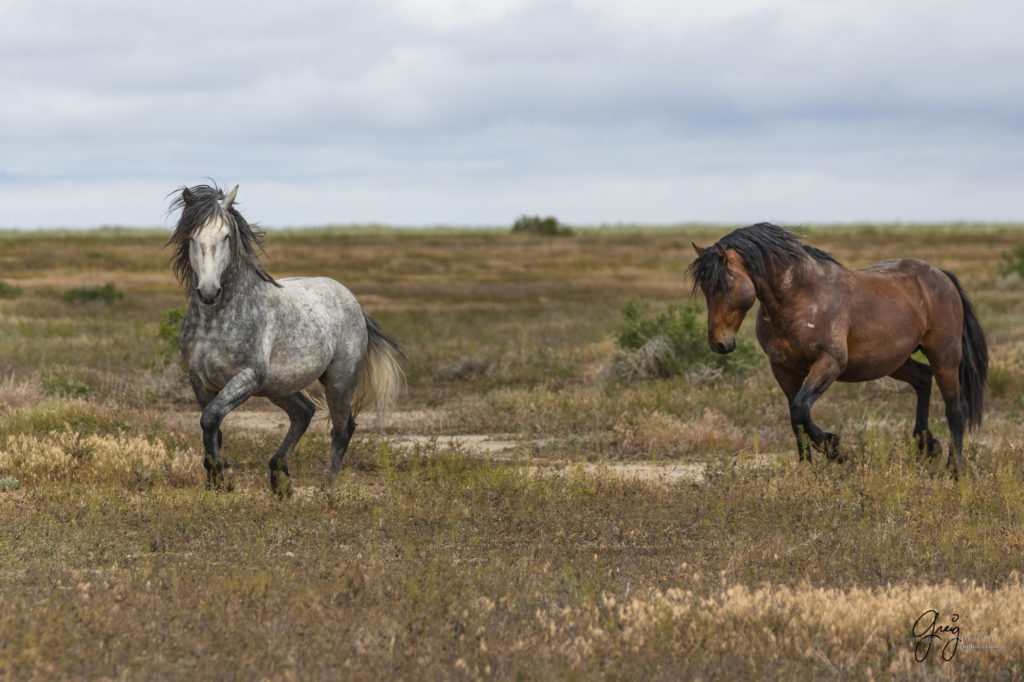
x,y
974,362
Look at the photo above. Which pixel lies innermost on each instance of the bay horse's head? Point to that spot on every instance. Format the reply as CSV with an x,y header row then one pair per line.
x,y
211,236
721,276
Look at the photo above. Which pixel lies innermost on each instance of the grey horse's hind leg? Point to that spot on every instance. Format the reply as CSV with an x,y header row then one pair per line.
x,y
341,434
340,382
300,411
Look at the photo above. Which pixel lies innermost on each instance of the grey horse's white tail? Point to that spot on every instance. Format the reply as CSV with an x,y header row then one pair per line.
x,y
382,377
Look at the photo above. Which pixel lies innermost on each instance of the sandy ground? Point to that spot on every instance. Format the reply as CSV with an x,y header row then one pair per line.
x,y
421,429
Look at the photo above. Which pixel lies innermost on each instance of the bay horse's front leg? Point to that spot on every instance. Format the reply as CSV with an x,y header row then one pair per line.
x,y
240,388
821,375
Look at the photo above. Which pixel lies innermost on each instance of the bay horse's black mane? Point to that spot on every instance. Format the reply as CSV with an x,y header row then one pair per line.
x,y
764,248
200,204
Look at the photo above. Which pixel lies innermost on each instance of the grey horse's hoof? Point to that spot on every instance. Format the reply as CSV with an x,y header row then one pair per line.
x,y
220,481
280,482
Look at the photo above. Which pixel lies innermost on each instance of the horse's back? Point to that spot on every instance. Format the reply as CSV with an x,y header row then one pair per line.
x,y
316,321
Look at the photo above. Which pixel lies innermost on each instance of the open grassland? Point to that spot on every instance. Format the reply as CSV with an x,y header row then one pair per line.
x,y
439,554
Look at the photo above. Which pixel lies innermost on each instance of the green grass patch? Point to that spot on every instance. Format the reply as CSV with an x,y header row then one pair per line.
x,y
65,386
9,290
107,293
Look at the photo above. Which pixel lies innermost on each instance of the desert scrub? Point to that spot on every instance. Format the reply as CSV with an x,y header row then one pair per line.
x,y
673,343
534,224
70,454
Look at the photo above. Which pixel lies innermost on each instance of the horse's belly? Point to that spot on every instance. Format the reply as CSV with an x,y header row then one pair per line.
x,y
290,372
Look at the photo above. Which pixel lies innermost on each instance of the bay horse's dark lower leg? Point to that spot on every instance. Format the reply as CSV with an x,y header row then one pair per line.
x,y
919,376
300,410
948,379
822,374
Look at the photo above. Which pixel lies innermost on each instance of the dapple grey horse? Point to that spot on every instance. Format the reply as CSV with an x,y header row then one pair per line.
x,y
246,334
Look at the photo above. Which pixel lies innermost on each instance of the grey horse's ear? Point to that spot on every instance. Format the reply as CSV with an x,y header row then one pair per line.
x,y
699,249
187,197
229,199
721,252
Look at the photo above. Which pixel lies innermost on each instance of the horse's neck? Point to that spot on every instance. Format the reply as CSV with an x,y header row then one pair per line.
x,y
777,290
244,295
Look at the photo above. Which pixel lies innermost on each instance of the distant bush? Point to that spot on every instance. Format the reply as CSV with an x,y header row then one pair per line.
x,y
65,386
9,290
534,224
168,328
8,483
107,293
672,343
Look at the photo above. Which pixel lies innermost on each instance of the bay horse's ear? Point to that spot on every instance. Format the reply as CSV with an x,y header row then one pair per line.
x,y
721,252
699,249
187,197
229,199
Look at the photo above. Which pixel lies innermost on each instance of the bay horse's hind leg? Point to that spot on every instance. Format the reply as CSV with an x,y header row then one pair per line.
x,y
947,376
300,410
919,376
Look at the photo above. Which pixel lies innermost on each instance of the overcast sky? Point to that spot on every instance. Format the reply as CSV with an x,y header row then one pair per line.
x,y
471,112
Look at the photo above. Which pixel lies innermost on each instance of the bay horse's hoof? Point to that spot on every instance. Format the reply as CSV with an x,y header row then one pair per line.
x,y
831,448
927,446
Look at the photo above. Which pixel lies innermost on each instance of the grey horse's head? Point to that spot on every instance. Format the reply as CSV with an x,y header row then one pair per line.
x,y
211,238
209,251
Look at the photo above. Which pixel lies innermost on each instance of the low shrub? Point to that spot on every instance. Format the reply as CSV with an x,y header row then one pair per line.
x,y
168,328
673,342
1013,261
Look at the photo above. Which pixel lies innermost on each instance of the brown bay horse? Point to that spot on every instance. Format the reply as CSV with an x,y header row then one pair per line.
x,y
820,322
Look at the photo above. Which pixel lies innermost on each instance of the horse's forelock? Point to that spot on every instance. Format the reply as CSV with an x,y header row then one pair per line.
x,y
708,273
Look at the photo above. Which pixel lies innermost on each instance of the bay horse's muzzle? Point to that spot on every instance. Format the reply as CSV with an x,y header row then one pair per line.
x,y
722,347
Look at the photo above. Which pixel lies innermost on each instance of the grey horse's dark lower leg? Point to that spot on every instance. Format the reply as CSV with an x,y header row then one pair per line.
x,y
341,434
241,387
300,410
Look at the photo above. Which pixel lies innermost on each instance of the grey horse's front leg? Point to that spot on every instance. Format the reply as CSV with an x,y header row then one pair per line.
x,y
241,387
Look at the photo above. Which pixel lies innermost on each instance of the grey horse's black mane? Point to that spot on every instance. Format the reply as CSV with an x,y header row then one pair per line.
x,y
200,204
764,248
